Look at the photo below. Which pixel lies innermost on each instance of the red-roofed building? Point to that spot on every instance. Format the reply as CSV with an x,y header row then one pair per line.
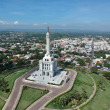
x,y
14,59
59,59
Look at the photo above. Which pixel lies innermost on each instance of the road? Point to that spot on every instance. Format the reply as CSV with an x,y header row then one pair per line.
x,y
91,60
14,96
15,91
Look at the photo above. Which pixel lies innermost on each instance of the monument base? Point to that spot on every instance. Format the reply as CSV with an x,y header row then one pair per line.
x,y
35,77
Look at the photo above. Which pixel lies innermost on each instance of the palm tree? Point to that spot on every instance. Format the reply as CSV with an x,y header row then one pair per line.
x,y
3,85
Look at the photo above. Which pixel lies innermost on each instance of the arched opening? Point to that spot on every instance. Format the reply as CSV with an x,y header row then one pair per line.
x,y
43,73
47,73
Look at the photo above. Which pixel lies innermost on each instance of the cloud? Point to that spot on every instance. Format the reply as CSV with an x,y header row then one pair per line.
x,y
4,22
44,23
16,22
1,21
74,25
35,24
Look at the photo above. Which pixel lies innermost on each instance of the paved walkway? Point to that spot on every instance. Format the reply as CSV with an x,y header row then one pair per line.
x,y
16,91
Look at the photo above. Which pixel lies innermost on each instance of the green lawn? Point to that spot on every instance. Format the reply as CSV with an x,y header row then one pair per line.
x,y
11,80
28,96
101,100
77,86
8,72
84,77
2,102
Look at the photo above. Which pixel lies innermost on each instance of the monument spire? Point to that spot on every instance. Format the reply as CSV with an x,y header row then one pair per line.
x,y
47,42
48,29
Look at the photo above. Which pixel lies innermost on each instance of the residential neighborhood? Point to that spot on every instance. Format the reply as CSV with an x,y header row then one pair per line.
x,y
19,48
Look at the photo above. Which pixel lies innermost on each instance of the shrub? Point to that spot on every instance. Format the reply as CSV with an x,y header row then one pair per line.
x,y
70,104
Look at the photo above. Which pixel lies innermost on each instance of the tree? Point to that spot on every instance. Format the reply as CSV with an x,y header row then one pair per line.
x,y
20,62
106,64
28,62
94,69
1,59
83,70
108,58
88,60
36,62
81,62
60,63
98,64
66,64
55,56
3,85
78,68
73,64
83,45
107,75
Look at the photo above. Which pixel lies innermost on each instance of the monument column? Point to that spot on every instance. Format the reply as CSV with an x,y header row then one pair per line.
x,y
48,42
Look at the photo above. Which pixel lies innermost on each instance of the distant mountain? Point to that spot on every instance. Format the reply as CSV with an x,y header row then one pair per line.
x,y
54,30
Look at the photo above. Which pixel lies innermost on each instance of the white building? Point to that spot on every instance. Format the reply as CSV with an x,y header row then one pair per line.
x,y
48,66
48,72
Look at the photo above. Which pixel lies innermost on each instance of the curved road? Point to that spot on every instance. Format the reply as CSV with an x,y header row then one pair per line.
x,y
54,91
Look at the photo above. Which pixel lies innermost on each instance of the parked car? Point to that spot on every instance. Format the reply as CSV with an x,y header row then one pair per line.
x,y
67,80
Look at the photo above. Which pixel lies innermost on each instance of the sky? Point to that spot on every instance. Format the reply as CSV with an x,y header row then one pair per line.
x,y
57,14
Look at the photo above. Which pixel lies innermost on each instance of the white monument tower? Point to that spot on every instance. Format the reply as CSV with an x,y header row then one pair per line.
x,y
48,66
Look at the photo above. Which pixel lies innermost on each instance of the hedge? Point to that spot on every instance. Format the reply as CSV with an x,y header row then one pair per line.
x,y
84,82
67,72
57,84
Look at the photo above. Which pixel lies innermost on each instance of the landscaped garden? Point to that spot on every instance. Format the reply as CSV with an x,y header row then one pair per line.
x,y
28,96
2,102
101,100
10,81
80,92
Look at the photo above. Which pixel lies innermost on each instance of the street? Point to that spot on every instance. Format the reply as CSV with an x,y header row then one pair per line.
x,y
12,100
